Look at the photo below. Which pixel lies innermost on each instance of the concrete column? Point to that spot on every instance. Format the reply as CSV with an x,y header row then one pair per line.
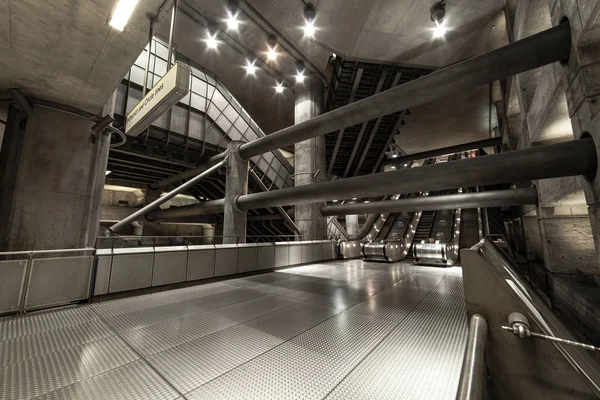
x,y
235,220
10,154
54,195
352,227
309,156
582,72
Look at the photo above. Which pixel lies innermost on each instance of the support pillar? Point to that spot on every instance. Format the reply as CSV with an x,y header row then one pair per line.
x,y
582,74
352,223
54,194
309,157
235,220
10,155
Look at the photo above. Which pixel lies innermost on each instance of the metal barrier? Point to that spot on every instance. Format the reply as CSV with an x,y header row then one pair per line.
x,y
31,280
521,367
123,269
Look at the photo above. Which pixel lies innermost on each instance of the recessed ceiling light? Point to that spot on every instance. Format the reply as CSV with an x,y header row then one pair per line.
x,y
250,67
211,41
279,87
309,17
232,22
121,13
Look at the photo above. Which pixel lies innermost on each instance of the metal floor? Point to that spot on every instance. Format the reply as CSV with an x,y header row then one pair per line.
x,y
340,330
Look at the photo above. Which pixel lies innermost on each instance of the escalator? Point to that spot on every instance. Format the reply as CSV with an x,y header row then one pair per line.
x,y
423,231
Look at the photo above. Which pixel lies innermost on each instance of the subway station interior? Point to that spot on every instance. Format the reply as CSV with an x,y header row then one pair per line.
x,y
303,199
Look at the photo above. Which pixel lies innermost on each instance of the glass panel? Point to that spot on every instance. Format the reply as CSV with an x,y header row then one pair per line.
x,y
223,123
161,67
137,75
213,112
234,134
198,102
219,100
231,113
241,125
141,60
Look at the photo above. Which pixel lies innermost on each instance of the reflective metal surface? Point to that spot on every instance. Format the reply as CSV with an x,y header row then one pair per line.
x,y
342,329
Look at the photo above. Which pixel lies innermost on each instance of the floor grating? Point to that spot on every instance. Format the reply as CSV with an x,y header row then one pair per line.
x,y
342,329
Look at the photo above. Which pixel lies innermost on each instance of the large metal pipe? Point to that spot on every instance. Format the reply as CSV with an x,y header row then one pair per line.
x,y
495,198
446,150
472,384
156,203
572,158
532,52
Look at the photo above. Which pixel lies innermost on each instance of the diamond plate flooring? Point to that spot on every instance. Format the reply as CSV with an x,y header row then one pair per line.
x,y
341,330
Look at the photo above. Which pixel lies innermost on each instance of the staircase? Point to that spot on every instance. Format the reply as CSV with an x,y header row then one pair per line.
x,y
423,230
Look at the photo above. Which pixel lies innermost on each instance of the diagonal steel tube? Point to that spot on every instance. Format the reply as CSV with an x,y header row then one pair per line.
x,y
156,203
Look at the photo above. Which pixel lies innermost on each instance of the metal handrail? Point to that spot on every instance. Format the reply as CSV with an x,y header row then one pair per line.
x,y
472,384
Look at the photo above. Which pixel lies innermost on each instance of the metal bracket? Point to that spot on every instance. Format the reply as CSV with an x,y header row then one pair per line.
x,y
519,325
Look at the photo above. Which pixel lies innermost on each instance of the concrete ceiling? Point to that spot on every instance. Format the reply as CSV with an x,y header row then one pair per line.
x,y
65,51
387,31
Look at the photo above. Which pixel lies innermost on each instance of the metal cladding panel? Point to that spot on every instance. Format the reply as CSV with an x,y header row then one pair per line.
x,y
58,281
12,277
295,253
201,263
103,266
247,257
282,254
307,252
318,251
169,267
226,260
266,255
131,271
328,250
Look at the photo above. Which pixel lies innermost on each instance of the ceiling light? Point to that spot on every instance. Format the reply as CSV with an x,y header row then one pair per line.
x,y
438,12
108,172
309,29
272,54
395,156
232,22
309,17
439,31
300,75
250,67
121,14
211,40
279,87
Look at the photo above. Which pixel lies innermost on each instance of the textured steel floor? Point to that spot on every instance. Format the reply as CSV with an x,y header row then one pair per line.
x,y
344,329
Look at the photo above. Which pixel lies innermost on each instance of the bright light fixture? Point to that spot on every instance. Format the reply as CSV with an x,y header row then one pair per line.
x,y
309,29
108,172
279,87
272,54
250,67
121,14
300,77
211,41
439,31
232,22
395,156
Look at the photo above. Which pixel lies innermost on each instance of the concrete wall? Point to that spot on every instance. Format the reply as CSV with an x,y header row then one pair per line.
x,y
52,197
